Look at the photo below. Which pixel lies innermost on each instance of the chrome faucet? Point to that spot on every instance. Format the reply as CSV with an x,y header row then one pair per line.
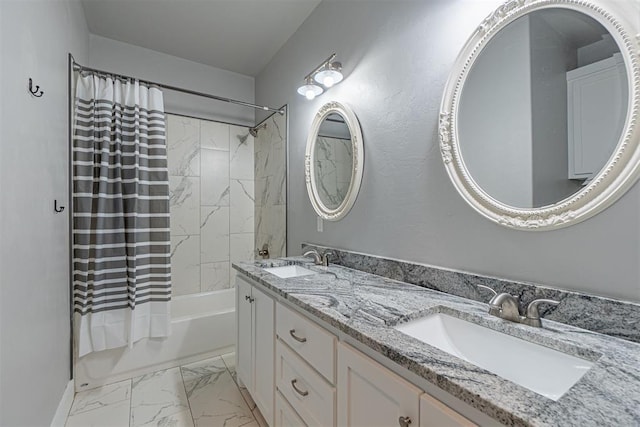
x,y
507,306
317,258
533,316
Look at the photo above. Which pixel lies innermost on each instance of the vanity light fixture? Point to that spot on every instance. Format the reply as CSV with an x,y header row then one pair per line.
x,y
310,90
330,75
327,74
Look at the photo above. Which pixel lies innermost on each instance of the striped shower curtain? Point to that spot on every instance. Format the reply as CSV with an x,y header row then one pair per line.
x,y
121,246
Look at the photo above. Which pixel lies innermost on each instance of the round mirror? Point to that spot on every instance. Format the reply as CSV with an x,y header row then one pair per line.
x,y
333,161
538,120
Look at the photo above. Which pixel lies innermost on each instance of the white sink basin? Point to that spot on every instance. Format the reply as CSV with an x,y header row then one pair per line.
x,y
543,370
290,271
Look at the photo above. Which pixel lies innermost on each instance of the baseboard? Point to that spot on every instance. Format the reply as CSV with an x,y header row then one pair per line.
x,y
60,417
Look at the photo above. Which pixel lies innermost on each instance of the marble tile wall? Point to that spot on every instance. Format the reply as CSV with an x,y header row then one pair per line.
x,y
271,186
211,184
334,164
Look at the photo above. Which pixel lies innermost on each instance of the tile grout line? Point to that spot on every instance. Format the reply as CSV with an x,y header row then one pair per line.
x,y
199,211
130,399
187,396
229,224
235,381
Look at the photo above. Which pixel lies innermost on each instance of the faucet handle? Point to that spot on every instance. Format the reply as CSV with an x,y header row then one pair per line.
x,y
495,294
325,257
532,308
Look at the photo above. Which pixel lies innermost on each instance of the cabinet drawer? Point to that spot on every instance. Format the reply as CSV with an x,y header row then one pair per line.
x,y
306,391
310,341
285,415
434,413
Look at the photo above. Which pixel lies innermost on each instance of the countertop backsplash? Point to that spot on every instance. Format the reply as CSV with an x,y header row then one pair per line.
x,y
620,319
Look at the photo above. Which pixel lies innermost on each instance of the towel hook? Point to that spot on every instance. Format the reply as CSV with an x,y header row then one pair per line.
x,y
55,207
35,92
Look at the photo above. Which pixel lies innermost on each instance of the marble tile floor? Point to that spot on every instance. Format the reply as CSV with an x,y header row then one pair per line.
x,y
200,394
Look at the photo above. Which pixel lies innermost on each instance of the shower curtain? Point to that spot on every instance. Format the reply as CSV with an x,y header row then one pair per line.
x,y
121,246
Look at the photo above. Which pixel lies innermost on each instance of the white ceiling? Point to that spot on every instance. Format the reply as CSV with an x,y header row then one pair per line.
x,y
235,35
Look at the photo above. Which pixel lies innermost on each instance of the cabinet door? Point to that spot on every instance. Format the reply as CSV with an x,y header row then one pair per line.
x,y
263,390
434,413
370,395
597,106
244,365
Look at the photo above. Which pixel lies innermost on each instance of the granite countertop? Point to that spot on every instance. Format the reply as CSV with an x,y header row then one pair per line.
x,y
366,307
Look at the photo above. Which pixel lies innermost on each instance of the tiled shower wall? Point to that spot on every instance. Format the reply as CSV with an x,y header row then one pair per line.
x,y
211,184
334,165
271,185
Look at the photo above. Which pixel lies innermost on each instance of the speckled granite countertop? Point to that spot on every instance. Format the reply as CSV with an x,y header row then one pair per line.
x,y
366,307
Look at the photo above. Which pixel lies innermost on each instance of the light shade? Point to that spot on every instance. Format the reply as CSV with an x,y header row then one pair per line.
x,y
310,90
330,75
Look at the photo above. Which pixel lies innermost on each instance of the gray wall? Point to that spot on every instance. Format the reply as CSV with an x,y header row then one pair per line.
x,y
397,56
118,57
498,90
35,38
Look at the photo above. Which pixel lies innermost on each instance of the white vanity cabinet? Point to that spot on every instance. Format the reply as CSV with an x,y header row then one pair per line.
x,y
300,373
255,315
371,395
597,105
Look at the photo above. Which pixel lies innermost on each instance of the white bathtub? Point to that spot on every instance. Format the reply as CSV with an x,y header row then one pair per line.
x,y
202,325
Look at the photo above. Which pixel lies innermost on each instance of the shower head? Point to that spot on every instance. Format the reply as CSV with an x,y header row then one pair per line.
x,y
254,131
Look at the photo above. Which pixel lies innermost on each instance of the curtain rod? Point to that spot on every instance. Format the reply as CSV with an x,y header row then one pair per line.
x,y
79,67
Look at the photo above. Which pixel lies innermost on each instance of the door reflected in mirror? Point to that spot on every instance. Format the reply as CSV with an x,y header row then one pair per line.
x,y
333,161
543,108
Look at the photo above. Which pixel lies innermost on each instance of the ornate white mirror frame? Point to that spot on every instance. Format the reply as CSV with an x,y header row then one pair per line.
x,y
357,144
623,167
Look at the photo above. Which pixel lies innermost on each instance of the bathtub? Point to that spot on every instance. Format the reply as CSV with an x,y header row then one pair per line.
x,y
202,325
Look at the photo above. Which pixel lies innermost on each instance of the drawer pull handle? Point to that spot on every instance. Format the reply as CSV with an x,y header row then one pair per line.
x,y
404,421
300,392
295,337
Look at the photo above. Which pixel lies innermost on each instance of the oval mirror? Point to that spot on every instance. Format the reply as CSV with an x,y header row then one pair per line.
x,y
538,123
334,161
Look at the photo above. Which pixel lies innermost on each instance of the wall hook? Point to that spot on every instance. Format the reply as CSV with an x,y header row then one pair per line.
x,y
35,92
55,207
